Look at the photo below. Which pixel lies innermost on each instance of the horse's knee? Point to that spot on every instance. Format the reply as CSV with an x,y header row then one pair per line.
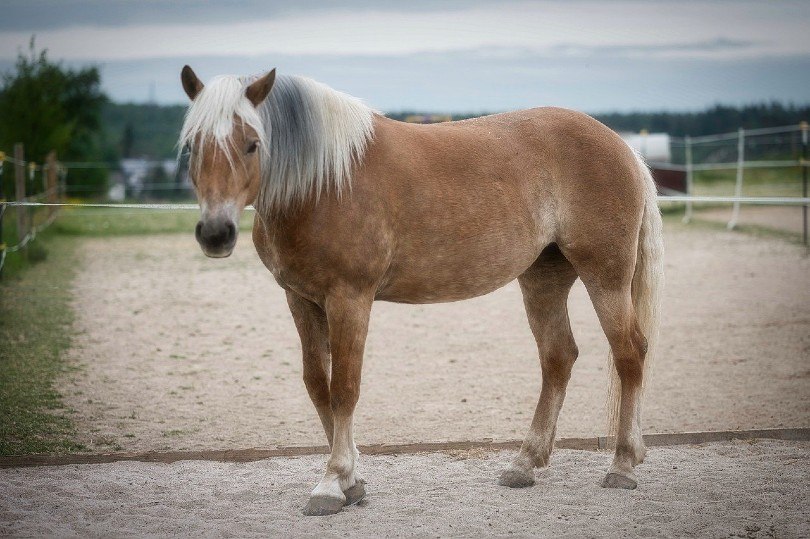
x,y
558,361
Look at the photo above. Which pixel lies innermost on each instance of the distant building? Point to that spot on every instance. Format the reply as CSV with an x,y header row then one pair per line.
x,y
653,147
656,150
135,171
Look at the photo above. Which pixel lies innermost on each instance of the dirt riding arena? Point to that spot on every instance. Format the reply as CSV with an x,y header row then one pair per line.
x,y
714,490
177,352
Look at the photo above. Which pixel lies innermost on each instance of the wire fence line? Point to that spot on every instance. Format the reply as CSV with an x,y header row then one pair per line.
x,y
732,135
138,205
756,200
112,165
53,181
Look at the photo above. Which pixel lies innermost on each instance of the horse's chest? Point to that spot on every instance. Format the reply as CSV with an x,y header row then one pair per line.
x,y
294,269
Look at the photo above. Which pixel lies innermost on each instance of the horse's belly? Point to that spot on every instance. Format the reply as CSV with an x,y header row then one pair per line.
x,y
456,273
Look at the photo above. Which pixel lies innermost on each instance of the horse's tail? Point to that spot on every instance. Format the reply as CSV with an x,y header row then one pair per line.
x,y
648,284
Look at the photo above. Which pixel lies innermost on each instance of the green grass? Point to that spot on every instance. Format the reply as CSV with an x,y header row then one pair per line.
x,y
35,329
100,222
784,182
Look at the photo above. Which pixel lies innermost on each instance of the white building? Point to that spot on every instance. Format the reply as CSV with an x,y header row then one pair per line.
x,y
654,147
135,172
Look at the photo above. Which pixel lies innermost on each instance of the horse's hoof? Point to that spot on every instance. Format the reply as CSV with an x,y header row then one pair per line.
x,y
319,506
614,480
355,493
516,478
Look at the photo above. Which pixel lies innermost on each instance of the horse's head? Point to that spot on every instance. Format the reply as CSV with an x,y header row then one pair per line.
x,y
224,133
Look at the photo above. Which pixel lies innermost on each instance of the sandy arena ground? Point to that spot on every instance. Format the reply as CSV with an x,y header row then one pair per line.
x,y
178,351
714,490
783,218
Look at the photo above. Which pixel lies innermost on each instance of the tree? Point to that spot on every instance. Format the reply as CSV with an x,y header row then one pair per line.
x,y
49,107
127,140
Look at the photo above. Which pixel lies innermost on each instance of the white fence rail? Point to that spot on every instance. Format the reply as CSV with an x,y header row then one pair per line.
x,y
768,148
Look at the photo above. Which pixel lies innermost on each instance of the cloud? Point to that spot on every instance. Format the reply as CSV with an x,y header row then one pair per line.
x,y
720,29
705,47
461,81
446,56
37,15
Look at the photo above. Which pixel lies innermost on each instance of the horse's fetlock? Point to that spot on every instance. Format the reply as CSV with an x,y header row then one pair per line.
x,y
630,451
342,466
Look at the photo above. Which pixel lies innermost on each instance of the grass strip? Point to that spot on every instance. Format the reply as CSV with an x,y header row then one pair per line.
x,y
35,328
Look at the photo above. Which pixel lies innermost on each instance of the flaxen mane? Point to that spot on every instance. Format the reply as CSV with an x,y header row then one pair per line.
x,y
310,135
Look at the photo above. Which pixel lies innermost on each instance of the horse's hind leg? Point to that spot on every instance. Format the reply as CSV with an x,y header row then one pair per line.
x,y
545,289
608,280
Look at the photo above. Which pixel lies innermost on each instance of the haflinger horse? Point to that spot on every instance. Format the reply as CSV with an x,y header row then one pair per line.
x,y
353,207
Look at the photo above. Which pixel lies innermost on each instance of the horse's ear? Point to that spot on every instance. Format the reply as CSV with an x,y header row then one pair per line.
x,y
259,90
191,84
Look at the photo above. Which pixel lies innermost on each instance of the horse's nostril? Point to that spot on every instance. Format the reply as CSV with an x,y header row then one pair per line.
x,y
231,232
216,233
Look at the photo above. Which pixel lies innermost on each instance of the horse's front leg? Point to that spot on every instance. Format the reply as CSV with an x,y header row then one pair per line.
x,y
310,320
347,315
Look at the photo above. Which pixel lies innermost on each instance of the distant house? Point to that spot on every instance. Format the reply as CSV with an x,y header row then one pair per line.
x,y
656,149
653,147
136,171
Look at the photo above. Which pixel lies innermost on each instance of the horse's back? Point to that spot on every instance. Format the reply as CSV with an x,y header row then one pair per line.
x,y
472,204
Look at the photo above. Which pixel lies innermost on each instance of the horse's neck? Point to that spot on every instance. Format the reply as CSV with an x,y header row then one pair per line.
x,y
288,220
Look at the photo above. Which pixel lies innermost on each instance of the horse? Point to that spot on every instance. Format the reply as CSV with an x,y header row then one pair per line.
x,y
353,207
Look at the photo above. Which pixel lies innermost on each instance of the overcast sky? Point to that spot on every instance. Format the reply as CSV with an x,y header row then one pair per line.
x,y
441,56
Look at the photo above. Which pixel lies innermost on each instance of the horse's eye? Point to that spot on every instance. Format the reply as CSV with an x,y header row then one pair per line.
x,y
253,146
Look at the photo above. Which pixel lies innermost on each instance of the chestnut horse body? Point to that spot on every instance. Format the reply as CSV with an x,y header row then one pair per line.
x,y
436,213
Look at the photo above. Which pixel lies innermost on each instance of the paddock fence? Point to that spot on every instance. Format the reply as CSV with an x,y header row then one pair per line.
x,y
765,166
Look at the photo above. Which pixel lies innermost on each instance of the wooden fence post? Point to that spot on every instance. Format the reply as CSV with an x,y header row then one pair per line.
x,y
804,129
689,177
19,189
2,212
51,181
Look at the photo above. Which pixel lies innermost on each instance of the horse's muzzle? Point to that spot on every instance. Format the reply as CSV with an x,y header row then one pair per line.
x,y
217,237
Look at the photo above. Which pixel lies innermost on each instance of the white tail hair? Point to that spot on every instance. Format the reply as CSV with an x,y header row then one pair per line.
x,y
647,288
